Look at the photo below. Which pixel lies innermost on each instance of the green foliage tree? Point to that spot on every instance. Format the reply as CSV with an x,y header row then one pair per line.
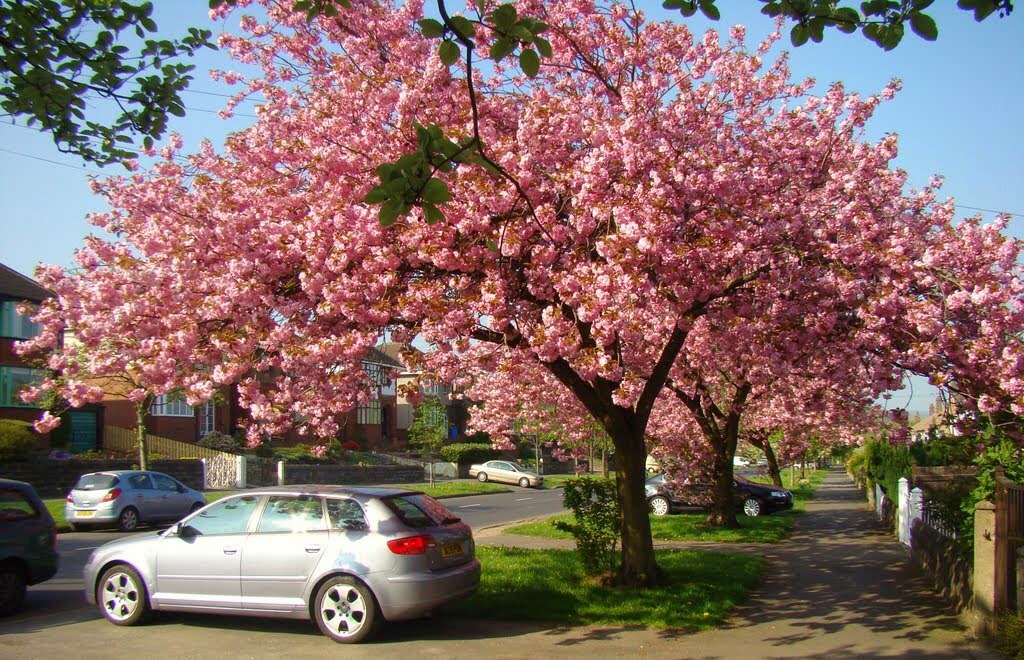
x,y
429,429
16,440
61,56
595,507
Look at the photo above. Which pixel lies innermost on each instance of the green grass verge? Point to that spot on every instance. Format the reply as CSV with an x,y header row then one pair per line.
x,y
690,527
548,586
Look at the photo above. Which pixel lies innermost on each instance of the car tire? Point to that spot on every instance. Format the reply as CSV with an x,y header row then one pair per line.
x,y
659,505
345,610
524,482
753,507
481,476
12,588
121,596
75,527
128,521
196,506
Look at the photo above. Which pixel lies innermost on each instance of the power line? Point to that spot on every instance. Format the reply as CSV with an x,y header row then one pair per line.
x,y
80,168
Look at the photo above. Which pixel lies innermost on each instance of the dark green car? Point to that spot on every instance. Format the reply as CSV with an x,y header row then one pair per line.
x,y
28,543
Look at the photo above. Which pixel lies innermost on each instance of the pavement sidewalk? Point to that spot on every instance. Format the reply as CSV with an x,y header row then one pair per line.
x,y
838,587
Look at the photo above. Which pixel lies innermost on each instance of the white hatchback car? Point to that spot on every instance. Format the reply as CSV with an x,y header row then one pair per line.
x,y
508,472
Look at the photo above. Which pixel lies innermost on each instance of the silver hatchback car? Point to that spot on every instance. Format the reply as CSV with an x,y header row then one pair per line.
x,y
128,498
347,558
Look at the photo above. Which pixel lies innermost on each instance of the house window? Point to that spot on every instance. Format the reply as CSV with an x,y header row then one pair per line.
x,y
206,418
13,324
433,388
12,380
162,407
368,413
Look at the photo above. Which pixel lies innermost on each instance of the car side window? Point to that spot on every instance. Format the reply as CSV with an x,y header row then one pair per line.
x,y
346,514
292,513
163,482
140,482
14,506
228,516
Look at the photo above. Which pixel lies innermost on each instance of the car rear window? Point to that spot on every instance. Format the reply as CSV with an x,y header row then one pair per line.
x,y
420,511
96,482
15,506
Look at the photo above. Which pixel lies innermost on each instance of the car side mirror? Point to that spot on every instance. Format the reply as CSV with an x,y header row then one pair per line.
x,y
183,530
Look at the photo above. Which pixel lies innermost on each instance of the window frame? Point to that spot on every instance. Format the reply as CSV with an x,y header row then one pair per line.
x,y
161,407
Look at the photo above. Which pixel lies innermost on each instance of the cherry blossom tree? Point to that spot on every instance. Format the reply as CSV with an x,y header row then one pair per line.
x,y
591,218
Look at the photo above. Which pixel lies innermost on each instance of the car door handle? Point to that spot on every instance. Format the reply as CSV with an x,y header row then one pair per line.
x,y
230,549
312,548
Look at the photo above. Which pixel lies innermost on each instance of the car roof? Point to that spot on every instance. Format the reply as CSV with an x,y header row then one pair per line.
x,y
15,484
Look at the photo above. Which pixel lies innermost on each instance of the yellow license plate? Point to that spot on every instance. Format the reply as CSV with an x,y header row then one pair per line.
x,y
451,550
84,514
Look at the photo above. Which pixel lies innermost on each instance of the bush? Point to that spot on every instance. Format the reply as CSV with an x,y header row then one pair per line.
x,y
887,464
16,440
351,445
468,452
1009,638
595,507
219,442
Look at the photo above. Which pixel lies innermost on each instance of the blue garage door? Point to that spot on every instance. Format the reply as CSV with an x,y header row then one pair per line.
x,y
83,430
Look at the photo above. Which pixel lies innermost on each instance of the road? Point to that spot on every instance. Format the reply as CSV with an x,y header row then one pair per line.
x,y
61,598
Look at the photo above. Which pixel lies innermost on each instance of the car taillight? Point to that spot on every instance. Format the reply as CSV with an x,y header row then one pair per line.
x,y
112,495
411,545
70,499
53,537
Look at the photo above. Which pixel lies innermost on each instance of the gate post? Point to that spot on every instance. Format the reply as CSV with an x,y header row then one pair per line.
x,y
984,567
240,472
903,511
280,473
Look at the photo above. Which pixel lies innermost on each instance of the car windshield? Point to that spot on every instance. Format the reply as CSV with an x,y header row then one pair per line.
x,y
96,482
420,511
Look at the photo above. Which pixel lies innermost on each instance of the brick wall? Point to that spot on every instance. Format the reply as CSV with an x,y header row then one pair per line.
x,y
55,478
351,474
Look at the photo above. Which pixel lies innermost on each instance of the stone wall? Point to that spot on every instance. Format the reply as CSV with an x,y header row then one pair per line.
x,y
55,478
937,555
351,474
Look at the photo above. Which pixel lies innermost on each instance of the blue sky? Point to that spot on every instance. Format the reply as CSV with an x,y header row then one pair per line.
x,y
957,116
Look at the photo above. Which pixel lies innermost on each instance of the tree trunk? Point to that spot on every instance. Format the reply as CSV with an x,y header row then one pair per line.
x,y
140,426
723,509
639,567
773,465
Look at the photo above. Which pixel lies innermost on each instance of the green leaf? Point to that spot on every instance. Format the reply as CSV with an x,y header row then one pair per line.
x,y
389,212
377,195
432,214
501,48
492,245
530,62
436,192
543,46
449,52
503,18
464,27
924,26
709,9
798,35
431,28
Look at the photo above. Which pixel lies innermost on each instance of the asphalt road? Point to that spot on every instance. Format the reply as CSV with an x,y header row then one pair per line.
x,y
61,599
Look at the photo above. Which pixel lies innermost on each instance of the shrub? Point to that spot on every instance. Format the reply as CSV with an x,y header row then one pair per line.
x,y
16,440
1009,638
887,464
219,442
351,445
595,507
468,452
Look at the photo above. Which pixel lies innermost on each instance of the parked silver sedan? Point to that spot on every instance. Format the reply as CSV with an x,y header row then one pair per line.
x,y
349,558
508,472
128,498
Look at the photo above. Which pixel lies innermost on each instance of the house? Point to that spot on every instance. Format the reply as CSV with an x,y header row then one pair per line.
x,y
82,427
372,425
456,408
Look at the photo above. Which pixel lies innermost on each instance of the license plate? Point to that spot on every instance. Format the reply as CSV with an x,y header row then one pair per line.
x,y
451,550
84,514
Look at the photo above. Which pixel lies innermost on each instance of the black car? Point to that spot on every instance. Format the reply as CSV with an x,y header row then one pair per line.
x,y
28,543
752,498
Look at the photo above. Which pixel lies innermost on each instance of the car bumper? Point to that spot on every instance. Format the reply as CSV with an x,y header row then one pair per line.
x,y
86,516
41,571
412,596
